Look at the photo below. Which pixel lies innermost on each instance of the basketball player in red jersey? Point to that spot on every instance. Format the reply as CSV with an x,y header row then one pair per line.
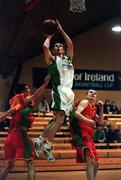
x,y
83,121
18,145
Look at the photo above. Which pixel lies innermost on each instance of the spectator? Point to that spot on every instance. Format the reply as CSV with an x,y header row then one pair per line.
x,y
4,126
43,106
114,108
107,107
105,127
119,110
111,135
119,134
99,135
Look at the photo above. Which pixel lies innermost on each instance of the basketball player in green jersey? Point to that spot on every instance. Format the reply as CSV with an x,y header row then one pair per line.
x,y
62,73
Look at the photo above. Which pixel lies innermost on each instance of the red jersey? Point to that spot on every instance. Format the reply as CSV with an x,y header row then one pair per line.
x,y
89,112
16,121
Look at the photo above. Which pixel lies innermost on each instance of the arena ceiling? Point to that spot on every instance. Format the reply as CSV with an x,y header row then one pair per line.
x,y
20,25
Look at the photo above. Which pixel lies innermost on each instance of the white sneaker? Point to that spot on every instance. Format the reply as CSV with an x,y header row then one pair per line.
x,y
37,146
47,150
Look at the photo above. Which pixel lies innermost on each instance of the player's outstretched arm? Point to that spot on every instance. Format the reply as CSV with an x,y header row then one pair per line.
x,y
40,90
68,41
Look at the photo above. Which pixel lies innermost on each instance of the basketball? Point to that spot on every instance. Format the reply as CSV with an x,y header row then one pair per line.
x,y
49,26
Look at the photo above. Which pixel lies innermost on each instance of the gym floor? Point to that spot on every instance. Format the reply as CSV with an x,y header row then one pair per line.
x,y
70,175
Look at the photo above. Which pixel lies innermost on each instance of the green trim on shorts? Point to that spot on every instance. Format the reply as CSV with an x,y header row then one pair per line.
x,y
56,97
26,122
54,73
27,144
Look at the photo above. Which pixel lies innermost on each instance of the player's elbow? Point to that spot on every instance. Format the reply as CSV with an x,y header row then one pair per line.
x,y
76,114
45,47
70,45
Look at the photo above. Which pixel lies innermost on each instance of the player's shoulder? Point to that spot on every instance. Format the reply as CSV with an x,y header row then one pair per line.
x,y
84,102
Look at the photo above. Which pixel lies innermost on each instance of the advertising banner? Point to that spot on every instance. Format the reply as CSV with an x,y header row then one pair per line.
x,y
85,79
97,79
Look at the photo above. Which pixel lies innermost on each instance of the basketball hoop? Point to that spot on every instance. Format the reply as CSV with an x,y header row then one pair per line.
x,y
77,6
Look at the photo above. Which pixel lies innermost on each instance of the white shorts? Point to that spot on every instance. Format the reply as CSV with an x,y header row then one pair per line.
x,y
62,99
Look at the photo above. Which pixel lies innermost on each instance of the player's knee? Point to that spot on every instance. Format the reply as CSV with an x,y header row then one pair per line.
x,y
60,117
90,161
60,121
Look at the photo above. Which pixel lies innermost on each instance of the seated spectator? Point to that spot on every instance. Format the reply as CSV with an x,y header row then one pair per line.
x,y
99,135
43,106
119,110
105,127
119,134
107,107
111,135
114,108
4,126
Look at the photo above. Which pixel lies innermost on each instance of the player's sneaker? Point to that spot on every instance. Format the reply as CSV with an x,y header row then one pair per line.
x,y
37,146
47,150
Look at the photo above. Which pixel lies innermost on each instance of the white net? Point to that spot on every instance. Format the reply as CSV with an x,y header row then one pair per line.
x,y
77,6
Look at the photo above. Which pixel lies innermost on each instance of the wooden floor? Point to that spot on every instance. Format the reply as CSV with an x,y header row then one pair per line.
x,y
70,175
